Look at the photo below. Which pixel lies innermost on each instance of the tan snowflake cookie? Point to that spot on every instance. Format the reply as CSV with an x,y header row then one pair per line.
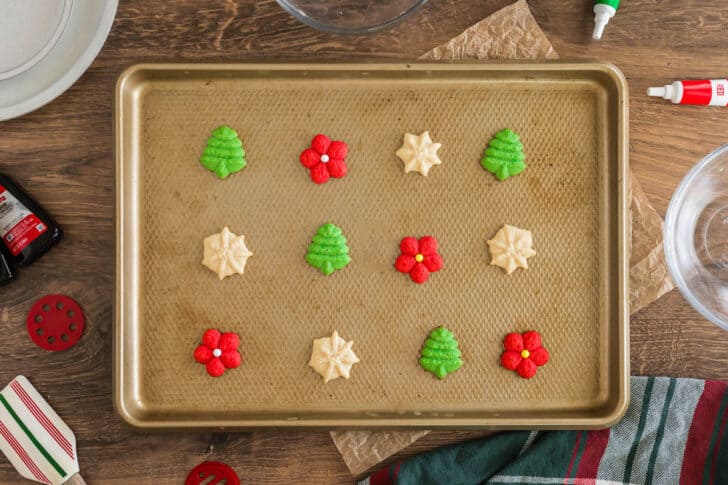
x,y
226,253
419,153
510,248
332,357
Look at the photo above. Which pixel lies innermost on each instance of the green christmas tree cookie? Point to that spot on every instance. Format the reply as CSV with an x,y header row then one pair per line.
x,y
328,250
224,152
440,354
504,156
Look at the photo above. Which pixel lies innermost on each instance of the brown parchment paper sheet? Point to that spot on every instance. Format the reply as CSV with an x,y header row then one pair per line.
x,y
512,33
649,277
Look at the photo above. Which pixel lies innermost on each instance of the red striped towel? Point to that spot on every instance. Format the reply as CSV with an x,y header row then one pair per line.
x,y
674,432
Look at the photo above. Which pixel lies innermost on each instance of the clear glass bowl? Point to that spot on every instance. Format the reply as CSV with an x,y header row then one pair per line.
x,y
696,237
350,16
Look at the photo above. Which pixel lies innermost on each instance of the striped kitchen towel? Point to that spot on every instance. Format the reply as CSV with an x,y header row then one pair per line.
x,y
32,436
673,433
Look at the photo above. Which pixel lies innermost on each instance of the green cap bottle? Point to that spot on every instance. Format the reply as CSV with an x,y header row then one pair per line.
x,y
603,11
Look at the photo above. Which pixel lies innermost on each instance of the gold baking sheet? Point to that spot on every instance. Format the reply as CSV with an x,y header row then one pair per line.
x,y
572,119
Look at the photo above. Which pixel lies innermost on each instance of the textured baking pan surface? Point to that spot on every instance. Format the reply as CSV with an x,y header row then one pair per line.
x,y
572,119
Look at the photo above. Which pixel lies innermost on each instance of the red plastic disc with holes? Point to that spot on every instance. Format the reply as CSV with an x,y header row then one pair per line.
x,y
218,471
55,322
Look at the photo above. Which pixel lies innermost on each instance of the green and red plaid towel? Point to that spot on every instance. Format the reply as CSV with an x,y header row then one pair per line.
x,y
673,433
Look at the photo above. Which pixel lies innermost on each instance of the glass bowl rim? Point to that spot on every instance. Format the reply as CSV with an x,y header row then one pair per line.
x,y
669,236
332,29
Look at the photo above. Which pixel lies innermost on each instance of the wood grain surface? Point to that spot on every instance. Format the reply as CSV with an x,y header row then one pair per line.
x,y
63,154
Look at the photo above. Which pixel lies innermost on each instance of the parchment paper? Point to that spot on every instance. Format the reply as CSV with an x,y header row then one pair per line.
x,y
512,33
649,278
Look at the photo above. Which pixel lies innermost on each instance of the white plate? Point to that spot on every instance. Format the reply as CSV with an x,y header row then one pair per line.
x,y
45,46
28,30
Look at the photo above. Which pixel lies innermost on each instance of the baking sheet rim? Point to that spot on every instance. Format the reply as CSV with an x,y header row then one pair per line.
x,y
120,350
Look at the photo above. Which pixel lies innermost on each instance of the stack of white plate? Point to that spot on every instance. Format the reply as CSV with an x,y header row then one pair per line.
x,y
45,46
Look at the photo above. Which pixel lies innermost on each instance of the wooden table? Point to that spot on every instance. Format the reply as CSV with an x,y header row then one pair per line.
x,y
63,153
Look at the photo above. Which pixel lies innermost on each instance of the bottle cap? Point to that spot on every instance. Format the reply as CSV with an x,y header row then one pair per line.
x,y
603,11
6,271
658,92
664,92
599,28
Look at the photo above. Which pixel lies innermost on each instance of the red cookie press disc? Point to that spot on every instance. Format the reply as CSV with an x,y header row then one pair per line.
x,y
55,322
218,471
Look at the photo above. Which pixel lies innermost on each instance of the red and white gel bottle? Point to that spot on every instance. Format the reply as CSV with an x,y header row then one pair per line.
x,y
698,92
26,230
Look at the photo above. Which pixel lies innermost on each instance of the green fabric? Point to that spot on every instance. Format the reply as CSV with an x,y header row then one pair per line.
x,y
675,431
660,431
721,459
472,462
573,467
550,455
440,354
640,429
463,464
224,153
328,250
504,156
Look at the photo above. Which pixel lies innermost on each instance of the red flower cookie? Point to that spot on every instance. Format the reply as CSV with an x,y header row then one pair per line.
x,y
524,353
419,258
219,351
325,159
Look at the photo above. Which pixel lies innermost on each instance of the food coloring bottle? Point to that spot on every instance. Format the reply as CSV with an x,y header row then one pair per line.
x,y
26,230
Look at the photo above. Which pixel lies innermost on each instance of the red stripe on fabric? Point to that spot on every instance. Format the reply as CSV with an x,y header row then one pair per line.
x,y
5,432
42,419
701,429
596,445
714,458
381,477
396,472
573,457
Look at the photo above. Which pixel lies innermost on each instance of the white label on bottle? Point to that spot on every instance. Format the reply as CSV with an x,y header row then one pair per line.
x,y
18,226
720,92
